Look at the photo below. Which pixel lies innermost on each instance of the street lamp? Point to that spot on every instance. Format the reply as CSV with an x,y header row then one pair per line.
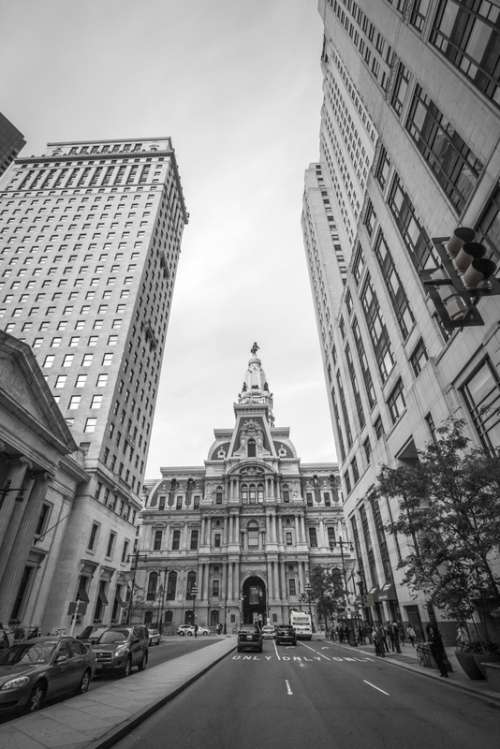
x,y
348,545
162,601
308,590
194,593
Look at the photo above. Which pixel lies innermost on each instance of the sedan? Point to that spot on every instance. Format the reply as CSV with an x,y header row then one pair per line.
x,y
249,638
36,670
268,631
185,629
285,634
154,637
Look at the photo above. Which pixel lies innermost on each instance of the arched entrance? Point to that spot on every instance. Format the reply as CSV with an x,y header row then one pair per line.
x,y
254,603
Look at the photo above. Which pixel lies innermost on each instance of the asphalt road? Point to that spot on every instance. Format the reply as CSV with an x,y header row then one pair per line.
x,y
315,696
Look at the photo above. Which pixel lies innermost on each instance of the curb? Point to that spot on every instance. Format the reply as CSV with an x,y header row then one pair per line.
x,y
118,732
490,699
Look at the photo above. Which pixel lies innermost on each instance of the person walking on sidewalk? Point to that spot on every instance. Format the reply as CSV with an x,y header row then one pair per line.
x,y
394,637
412,635
378,641
437,649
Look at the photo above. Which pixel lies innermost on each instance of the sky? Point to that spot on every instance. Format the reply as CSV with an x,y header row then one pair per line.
x,y
237,86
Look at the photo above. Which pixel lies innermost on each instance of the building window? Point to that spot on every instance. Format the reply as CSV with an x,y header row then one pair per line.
x,y
358,265
378,427
363,361
383,169
420,248
49,361
218,495
367,449
468,35
418,357
176,540
111,543
152,585
488,227
377,330
396,291
191,582
292,587
253,535
43,519
215,588
158,537
313,538
74,402
370,218
171,586
347,482
217,540
61,381
309,499
331,536
396,402
400,88
90,424
481,392
289,538
194,539
450,160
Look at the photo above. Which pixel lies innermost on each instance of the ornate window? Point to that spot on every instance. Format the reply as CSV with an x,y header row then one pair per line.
x,y
191,580
152,585
253,535
251,448
244,493
252,494
260,492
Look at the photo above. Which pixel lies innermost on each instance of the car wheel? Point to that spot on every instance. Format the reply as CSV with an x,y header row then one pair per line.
x,y
127,667
189,634
181,634
144,662
36,698
204,634
85,682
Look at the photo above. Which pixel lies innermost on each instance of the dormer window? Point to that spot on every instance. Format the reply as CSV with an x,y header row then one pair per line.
x,y
251,447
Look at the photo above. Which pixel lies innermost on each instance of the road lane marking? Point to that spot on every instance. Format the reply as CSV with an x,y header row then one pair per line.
x,y
288,688
276,649
375,687
316,652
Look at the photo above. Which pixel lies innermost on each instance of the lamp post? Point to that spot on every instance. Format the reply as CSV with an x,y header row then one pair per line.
x,y
348,545
194,593
136,558
162,601
308,590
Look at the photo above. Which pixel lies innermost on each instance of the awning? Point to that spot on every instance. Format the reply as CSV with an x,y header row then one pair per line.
x,y
372,596
388,592
82,596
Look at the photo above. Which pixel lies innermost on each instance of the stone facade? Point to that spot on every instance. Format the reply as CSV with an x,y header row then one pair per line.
x,y
408,152
247,528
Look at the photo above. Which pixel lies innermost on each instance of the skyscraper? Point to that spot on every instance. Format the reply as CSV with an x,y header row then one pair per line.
x,y
11,142
246,528
409,151
90,238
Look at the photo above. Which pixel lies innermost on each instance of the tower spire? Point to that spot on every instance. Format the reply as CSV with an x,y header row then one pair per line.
x,y
255,390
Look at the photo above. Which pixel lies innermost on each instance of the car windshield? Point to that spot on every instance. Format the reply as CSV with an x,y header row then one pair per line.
x,y
29,654
248,628
113,635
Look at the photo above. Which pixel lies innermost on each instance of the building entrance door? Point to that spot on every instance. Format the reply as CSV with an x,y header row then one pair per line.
x,y
254,603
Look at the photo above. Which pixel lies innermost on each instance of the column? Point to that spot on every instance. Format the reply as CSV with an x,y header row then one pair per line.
x,y
205,581
230,593
284,590
276,580
14,480
303,525
302,584
297,530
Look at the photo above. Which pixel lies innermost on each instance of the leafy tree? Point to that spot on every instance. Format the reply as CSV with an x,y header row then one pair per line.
x,y
450,509
327,590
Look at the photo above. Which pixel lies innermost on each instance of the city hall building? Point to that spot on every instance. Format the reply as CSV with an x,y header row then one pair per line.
x,y
236,539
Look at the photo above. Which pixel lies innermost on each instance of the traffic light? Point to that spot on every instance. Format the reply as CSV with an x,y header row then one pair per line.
x,y
464,276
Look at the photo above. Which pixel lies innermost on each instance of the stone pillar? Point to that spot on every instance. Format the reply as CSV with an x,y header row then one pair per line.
x,y
302,584
230,593
276,580
15,480
205,581
284,590
297,529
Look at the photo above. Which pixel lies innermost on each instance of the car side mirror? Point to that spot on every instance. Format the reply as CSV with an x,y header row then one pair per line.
x,y
61,658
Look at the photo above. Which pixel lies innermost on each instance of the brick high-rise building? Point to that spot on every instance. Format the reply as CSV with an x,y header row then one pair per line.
x,y
409,151
90,237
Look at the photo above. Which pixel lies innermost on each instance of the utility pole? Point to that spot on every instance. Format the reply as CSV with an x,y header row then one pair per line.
x,y
162,601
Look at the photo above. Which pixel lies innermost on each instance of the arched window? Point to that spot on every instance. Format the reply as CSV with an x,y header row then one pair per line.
x,y
251,448
191,580
253,535
218,495
285,493
152,584
260,492
252,495
244,493
172,585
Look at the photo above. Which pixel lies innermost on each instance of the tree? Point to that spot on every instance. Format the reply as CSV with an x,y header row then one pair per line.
x,y
450,509
328,591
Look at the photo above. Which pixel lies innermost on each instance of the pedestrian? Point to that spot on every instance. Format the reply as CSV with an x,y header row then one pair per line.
x,y
412,635
378,641
340,631
402,633
394,632
437,649
196,630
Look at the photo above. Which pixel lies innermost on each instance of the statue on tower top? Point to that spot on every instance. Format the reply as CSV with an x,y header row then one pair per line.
x,y
255,348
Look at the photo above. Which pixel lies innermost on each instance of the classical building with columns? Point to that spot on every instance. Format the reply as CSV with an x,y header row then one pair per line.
x,y
237,538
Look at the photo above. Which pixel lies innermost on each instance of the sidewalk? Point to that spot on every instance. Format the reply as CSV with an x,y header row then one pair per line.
x,y
99,718
408,659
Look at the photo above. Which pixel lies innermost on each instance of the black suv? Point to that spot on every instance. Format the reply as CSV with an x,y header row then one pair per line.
x,y
249,638
285,633
121,647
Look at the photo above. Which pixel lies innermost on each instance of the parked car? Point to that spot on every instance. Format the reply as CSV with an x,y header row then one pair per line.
x,y
188,630
154,636
91,633
285,635
34,670
121,647
249,638
268,631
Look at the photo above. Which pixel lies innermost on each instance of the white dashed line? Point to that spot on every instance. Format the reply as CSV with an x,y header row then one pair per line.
x,y
288,688
377,688
276,649
316,652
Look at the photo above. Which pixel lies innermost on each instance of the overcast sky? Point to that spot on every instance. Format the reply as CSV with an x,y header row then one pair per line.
x,y
237,85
